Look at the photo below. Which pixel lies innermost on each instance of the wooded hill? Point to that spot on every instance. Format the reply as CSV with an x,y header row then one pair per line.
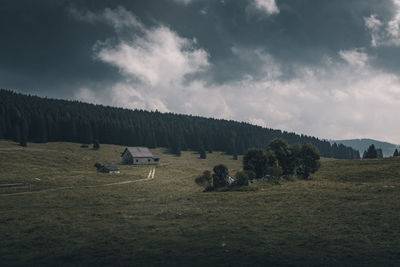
x,y
363,144
35,119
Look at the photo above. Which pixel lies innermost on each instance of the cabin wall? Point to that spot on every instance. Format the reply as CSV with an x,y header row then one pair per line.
x,y
144,161
127,158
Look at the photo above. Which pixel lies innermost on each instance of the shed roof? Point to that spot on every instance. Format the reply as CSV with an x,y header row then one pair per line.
x,y
139,152
111,168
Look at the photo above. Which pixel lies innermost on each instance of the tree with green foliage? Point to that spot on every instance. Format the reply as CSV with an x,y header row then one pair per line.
x,y
308,161
220,175
272,167
281,149
396,153
294,158
370,153
255,160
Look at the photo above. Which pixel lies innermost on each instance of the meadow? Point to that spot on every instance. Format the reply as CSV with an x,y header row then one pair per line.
x,y
347,215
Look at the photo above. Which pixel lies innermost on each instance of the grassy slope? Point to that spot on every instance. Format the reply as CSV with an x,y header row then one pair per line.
x,y
347,215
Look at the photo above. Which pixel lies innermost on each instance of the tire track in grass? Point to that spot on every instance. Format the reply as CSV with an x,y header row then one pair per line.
x,y
150,176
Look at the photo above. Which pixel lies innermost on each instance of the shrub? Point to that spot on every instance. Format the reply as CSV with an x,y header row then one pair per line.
x,y
98,165
242,178
251,175
205,179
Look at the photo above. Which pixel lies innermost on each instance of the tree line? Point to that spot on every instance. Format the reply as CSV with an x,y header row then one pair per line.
x,y
27,118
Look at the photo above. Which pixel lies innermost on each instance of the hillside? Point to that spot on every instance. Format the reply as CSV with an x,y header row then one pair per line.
x,y
34,119
346,216
362,145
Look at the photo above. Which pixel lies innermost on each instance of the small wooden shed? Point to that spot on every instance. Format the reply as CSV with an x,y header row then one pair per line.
x,y
109,169
139,156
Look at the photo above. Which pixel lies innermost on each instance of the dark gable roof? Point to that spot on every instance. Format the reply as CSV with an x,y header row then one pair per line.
x,y
111,168
139,152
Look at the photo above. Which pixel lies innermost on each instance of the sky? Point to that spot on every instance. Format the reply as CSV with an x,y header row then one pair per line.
x,y
324,68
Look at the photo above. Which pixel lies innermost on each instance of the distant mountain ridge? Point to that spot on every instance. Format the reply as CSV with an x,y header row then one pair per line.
x,y
362,144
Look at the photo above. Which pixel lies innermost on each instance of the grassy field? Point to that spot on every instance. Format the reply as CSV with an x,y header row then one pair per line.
x,y
348,215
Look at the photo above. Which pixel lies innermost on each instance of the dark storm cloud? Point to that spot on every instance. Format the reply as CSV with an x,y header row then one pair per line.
x,y
270,62
41,39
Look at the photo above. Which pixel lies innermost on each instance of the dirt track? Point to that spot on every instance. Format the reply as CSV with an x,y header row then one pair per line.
x,y
150,176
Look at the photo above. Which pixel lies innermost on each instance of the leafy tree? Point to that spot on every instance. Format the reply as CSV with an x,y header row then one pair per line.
x,y
308,160
294,158
282,152
396,153
220,175
273,168
255,160
370,153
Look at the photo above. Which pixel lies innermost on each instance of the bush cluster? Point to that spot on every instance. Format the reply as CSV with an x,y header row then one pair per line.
x,y
282,159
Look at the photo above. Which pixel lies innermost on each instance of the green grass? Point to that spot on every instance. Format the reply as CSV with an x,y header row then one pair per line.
x,y
347,215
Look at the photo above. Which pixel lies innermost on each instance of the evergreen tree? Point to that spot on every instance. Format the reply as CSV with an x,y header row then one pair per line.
x,y
396,153
96,145
370,153
235,156
379,153
203,154
73,121
24,132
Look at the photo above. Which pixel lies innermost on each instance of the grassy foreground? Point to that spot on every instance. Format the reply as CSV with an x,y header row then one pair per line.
x,y
347,215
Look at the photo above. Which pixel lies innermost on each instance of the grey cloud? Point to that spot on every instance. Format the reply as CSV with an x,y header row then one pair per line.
x,y
308,68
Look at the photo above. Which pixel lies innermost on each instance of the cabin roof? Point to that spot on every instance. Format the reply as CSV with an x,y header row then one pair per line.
x,y
111,168
139,152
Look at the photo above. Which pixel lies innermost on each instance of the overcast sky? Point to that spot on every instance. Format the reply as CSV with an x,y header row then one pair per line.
x,y
325,68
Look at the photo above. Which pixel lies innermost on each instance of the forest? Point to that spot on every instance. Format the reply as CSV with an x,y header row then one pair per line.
x,y
28,118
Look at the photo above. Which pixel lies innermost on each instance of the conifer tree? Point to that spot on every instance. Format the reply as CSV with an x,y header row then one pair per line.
x,y
370,153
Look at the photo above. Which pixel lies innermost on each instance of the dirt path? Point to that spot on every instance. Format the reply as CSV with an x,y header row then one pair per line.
x,y
150,176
